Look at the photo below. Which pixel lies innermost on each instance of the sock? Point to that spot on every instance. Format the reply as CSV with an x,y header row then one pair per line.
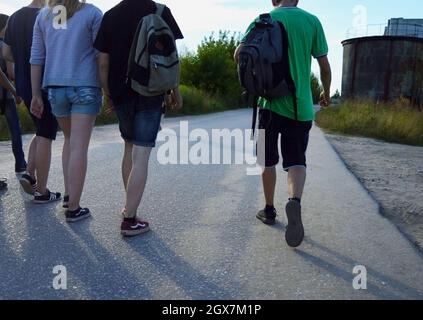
x,y
270,208
295,199
75,211
129,219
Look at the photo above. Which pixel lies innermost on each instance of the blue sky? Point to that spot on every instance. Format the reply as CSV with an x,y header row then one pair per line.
x,y
198,18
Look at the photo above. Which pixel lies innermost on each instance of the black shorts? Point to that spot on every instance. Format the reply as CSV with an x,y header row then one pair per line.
x,y
294,140
47,126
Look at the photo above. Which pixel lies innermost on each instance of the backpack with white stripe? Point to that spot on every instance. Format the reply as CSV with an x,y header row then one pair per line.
x,y
153,66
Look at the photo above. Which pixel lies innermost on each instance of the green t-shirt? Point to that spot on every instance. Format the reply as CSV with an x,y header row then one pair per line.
x,y
306,40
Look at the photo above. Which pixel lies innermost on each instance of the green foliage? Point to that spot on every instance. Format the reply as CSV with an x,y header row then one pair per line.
x,y
213,70
393,122
197,101
337,95
316,88
25,119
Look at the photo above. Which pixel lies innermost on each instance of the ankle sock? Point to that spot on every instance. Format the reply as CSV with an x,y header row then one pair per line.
x,y
295,199
129,219
74,211
270,208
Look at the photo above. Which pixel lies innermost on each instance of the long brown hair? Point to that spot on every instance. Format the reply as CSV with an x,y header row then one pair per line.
x,y
72,6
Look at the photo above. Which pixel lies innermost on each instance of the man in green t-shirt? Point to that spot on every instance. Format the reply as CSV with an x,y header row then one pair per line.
x,y
306,40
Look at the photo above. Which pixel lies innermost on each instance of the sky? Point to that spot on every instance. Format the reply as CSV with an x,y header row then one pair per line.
x,y
340,18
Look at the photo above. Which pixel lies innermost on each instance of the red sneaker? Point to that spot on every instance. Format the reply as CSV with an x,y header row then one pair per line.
x,y
134,227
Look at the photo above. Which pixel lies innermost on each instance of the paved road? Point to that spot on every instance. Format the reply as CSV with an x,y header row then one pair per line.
x,y
206,242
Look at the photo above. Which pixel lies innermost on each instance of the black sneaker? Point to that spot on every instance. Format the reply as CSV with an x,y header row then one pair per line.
x,y
267,216
3,184
66,202
28,183
77,215
295,230
46,198
20,170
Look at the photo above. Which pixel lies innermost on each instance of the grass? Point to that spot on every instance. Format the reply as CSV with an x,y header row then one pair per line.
x,y
392,122
195,102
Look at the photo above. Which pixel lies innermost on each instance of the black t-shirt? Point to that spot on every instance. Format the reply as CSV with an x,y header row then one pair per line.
x,y
116,35
19,37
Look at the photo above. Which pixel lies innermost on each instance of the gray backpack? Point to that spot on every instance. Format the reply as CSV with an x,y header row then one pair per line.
x,y
263,65
153,66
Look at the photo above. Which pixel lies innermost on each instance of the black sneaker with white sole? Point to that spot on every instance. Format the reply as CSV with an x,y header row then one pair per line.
x,y
267,216
47,198
28,183
77,215
3,184
294,235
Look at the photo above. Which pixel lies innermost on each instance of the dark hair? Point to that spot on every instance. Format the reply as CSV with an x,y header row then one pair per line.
x,y
3,21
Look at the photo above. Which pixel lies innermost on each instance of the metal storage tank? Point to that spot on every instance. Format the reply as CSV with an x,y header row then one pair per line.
x,y
383,68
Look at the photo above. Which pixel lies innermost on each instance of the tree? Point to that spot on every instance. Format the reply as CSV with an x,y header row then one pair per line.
x,y
316,88
212,68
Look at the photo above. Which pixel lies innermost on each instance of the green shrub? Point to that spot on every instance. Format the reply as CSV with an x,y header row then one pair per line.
x,y
316,88
197,101
25,119
394,122
212,68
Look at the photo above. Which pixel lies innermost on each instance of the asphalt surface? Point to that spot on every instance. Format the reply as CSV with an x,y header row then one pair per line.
x,y
205,242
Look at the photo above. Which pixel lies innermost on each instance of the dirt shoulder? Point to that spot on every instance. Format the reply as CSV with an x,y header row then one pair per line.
x,y
393,174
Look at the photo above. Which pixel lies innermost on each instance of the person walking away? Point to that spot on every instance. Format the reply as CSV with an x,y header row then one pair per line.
x,y
71,78
139,116
9,110
277,117
17,51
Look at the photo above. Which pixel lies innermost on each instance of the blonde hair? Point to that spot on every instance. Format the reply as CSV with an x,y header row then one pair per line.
x,y
72,6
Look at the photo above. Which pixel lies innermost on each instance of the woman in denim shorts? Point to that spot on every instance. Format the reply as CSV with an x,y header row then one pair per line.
x,y
63,49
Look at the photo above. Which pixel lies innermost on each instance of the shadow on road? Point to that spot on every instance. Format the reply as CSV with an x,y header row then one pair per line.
x,y
196,285
379,285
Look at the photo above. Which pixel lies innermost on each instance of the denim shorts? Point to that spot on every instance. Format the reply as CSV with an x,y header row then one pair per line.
x,y
66,101
139,119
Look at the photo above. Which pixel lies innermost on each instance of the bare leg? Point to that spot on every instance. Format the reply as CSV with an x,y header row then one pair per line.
x,y
32,157
43,161
296,181
137,180
82,126
127,163
269,185
65,125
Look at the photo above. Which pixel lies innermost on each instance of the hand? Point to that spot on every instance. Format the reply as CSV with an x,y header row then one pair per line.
x,y
37,106
18,100
325,99
109,107
174,100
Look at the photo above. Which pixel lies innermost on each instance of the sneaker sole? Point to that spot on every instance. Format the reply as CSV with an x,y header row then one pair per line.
x,y
128,234
294,235
27,187
73,220
269,222
45,202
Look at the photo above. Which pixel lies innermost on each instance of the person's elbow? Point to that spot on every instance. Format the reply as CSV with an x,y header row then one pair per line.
x,y
103,61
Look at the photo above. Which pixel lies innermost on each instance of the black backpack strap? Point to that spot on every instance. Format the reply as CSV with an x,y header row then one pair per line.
x,y
295,99
287,70
255,112
3,101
